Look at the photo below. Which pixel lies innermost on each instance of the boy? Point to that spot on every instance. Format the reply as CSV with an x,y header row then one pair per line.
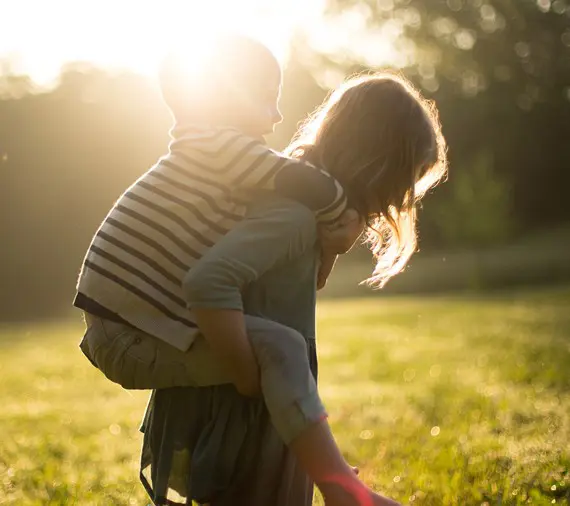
x,y
131,279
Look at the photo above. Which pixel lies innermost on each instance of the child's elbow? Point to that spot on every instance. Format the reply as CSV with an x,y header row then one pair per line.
x,y
207,286
195,285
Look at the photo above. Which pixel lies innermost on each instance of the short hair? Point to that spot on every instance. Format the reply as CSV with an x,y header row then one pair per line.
x,y
231,69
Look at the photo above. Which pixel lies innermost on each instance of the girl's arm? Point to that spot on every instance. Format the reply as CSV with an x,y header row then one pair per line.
x,y
224,329
272,234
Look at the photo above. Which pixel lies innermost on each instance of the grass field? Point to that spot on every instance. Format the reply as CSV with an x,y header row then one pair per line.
x,y
439,401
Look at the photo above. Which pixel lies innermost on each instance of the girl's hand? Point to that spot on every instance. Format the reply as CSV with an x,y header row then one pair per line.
x,y
336,239
325,268
339,237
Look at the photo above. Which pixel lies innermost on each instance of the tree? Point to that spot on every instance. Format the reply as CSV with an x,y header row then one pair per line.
x,y
475,44
499,71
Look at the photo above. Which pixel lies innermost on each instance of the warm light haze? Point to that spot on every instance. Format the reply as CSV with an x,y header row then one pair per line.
x,y
38,37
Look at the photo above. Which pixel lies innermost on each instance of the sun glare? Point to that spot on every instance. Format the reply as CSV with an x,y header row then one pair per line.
x,y
136,35
133,34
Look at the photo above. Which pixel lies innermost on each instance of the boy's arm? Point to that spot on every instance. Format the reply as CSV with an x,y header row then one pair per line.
x,y
240,162
262,168
312,187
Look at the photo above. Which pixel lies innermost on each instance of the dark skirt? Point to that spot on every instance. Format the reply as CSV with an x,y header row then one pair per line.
x,y
212,445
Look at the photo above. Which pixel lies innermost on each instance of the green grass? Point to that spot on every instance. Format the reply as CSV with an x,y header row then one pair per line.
x,y
439,401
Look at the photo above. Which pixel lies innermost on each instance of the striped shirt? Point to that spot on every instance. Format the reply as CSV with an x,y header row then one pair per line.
x,y
164,222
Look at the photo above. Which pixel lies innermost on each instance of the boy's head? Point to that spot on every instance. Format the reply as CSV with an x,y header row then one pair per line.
x,y
236,83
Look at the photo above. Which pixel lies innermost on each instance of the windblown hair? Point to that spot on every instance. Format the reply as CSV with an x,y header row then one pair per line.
x,y
382,141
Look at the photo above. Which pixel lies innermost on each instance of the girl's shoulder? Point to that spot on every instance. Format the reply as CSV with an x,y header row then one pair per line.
x,y
287,219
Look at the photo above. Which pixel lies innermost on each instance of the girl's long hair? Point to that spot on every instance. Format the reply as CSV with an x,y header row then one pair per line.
x,y
382,141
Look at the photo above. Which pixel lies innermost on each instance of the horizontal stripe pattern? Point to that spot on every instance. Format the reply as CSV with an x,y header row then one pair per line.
x,y
141,294
169,218
155,236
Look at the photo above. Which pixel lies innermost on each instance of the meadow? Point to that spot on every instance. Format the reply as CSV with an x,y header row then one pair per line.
x,y
447,400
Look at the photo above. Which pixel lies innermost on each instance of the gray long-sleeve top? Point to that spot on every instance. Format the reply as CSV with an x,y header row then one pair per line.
x,y
265,266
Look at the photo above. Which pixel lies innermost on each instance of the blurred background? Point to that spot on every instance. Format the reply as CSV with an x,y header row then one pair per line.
x,y
81,118
459,398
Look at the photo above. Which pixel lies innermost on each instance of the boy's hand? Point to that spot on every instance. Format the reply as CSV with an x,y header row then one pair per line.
x,y
339,237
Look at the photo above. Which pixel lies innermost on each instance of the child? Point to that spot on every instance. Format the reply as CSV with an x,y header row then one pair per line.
x,y
163,223
382,141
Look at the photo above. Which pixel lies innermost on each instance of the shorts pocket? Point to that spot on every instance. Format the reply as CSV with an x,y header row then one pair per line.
x,y
110,357
139,363
155,364
138,358
98,335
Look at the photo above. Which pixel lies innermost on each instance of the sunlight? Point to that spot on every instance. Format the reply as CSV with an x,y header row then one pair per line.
x,y
136,35
347,36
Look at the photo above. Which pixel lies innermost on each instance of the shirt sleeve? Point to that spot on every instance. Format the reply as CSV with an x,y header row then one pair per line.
x,y
270,235
243,163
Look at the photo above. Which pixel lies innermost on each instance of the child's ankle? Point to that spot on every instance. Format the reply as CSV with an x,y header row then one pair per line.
x,y
345,489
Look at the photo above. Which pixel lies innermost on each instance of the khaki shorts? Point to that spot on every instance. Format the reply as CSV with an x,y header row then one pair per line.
x,y
136,360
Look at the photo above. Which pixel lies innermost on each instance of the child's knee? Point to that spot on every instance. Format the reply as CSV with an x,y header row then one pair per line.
x,y
285,346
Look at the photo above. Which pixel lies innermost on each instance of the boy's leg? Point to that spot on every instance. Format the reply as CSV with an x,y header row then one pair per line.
x,y
137,360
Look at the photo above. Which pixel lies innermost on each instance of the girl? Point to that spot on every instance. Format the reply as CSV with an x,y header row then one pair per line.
x,y
382,141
